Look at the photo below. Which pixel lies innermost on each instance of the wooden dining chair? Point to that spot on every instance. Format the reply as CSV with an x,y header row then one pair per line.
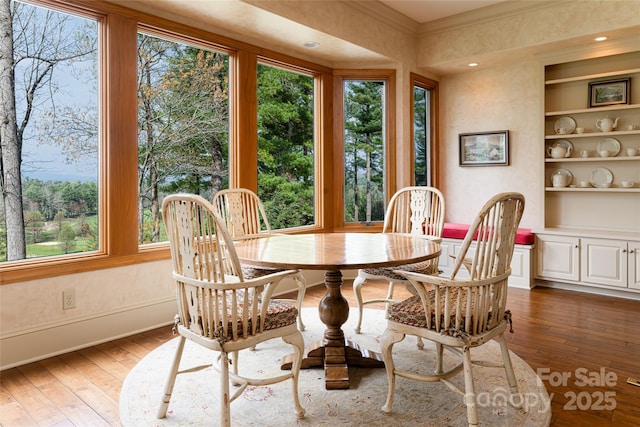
x,y
418,211
218,308
459,312
245,217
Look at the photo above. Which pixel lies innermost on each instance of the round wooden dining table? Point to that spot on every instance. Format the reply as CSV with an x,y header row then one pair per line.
x,y
334,252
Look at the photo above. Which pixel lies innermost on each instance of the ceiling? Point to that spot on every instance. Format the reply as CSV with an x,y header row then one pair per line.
x,y
423,11
281,27
257,22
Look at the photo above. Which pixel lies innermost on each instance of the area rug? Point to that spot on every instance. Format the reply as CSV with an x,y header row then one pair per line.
x,y
195,397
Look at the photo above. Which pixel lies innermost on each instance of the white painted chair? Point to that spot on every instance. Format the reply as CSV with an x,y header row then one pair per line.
x,y
217,307
412,210
245,217
460,314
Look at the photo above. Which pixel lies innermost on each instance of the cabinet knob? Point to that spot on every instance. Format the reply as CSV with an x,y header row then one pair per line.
x,y
624,251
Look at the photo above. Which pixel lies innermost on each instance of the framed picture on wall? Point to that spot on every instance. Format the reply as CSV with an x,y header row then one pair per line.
x,y
484,148
609,93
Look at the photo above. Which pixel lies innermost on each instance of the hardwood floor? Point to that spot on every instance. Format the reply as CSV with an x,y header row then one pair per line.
x,y
557,332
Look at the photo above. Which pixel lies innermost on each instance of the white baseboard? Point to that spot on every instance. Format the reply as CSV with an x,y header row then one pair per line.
x,y
30,345
595,290
52,340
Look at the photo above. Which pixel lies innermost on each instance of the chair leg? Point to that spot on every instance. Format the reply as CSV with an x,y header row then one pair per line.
x,y
386,347
470,392
302,287
389,298
235,363
173,373
357,291
225,412
439,354
297,341
516,398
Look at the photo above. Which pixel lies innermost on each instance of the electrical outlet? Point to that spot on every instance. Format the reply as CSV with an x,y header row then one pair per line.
x,y
68,299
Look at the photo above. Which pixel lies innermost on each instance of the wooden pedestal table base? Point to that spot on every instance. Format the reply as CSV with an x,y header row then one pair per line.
x,y
334,352
333,252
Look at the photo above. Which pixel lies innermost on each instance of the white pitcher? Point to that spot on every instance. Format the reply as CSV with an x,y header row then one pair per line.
x,y
559,152
606,124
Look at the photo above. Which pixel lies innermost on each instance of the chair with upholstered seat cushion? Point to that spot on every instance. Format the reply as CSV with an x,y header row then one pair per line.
x,y
245,217
218,308
418,211
465,310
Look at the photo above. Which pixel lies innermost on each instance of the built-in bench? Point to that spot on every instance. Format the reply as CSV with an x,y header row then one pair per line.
x,y
521,263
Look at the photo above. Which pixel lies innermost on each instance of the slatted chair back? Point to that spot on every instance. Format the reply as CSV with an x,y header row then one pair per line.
x,y
214,301
243,212
476,305
415,210
245,217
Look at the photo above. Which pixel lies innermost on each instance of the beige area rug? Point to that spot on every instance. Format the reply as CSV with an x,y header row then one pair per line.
x,y
195,397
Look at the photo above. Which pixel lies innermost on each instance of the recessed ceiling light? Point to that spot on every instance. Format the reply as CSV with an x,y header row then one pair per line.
x,y
600,39
311,45
473,64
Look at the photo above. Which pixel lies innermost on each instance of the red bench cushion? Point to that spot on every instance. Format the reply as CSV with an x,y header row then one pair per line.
x,y
524,236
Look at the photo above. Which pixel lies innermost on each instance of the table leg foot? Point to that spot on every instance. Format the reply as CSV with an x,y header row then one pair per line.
x,y
334,352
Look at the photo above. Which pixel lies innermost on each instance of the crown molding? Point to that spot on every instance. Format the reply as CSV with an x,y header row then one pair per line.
x,y
385,14
486,14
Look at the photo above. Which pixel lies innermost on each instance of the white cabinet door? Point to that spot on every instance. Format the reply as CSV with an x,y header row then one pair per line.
x,y
634,265
445,263
604,262
520,263
557,257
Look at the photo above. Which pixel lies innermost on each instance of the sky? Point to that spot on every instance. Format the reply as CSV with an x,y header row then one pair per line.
x,y
41,157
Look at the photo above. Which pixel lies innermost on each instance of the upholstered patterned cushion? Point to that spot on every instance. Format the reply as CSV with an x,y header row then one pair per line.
x,y
253,271
279,314
411,312
424,267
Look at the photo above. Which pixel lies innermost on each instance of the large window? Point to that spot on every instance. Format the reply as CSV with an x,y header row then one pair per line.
x,y
50,133
183,126
286,146
365,146
423,99
421,140
112,111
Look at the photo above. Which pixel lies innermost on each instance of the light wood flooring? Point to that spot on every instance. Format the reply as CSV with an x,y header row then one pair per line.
x,y
559,332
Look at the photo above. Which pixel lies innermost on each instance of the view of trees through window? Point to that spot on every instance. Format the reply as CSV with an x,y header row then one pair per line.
x,y
51,140
364,151
49,128
183,126
286,146
421,134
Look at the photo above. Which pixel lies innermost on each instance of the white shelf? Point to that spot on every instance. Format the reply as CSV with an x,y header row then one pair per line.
x,y
593,189
592,110
593,76
592,134
592,159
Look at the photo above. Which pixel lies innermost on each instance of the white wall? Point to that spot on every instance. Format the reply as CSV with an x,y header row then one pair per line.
x,y
110,303
507,97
